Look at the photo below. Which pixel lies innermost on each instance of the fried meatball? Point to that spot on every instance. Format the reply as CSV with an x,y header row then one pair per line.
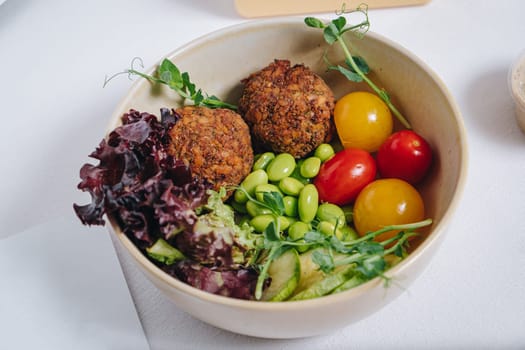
x,y
215,143
288,109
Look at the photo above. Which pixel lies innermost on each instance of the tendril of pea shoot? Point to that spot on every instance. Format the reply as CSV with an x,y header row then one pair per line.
x,y
169,74
356,68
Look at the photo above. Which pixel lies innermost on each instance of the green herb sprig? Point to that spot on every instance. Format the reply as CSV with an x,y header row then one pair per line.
x,y
356,68
169,74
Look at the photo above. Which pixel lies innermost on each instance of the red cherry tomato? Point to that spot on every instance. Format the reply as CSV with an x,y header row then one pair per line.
x,y
404,155
343,176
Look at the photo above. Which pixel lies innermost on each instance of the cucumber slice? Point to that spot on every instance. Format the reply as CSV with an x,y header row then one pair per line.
x,y
310,272
284,273
349,284
326,285
164,252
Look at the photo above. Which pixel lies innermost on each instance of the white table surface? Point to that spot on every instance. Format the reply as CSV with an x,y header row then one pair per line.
x,y
54,55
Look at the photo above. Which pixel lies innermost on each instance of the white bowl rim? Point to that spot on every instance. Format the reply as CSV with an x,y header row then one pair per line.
x,y
259,306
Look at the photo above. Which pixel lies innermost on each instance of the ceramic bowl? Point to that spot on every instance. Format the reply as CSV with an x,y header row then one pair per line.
x,y
217,62
517,89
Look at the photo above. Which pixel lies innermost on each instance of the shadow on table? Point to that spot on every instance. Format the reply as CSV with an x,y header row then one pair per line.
x,y
189,333
490,108
169,327
64,286
10,9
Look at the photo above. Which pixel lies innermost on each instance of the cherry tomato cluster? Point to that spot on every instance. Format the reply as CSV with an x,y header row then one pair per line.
x,y
378,169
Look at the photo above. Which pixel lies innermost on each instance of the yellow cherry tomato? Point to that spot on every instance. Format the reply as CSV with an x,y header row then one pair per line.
x,y
362,121
387,202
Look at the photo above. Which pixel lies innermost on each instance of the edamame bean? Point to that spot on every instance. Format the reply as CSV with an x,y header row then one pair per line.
x,y
284,223
307,203
324,152
260,222
302,248
249,183
310,167
253,209
263,160
290,206
297,230
280,167
296,174
291,220
346,234
328,229
291,186
261,189
331,213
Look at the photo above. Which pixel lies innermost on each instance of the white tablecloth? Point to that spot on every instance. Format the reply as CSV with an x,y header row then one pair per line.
x,y
54,56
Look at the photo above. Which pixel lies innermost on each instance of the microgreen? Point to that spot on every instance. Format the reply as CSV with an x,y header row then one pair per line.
x,y
274,201
355,68
273,242
325,261
169,74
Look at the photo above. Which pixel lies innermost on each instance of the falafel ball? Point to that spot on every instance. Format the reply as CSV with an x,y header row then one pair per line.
x,y
214,143
288,108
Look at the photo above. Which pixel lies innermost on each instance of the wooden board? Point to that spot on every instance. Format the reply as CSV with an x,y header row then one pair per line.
x,y
263,8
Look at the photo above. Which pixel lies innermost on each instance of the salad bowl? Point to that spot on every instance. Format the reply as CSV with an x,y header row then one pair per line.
x,y
217,63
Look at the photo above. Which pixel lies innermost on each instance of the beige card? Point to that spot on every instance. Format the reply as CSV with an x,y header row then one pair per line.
x,y
262,8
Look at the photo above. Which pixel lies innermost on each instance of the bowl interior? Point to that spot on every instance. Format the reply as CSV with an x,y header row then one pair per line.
x,y
218,62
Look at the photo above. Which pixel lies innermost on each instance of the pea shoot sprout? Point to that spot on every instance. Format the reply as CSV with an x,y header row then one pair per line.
x,y
355,68
169,74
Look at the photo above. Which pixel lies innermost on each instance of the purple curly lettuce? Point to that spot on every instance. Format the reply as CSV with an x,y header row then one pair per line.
x,y
138,183
152,195
239,283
